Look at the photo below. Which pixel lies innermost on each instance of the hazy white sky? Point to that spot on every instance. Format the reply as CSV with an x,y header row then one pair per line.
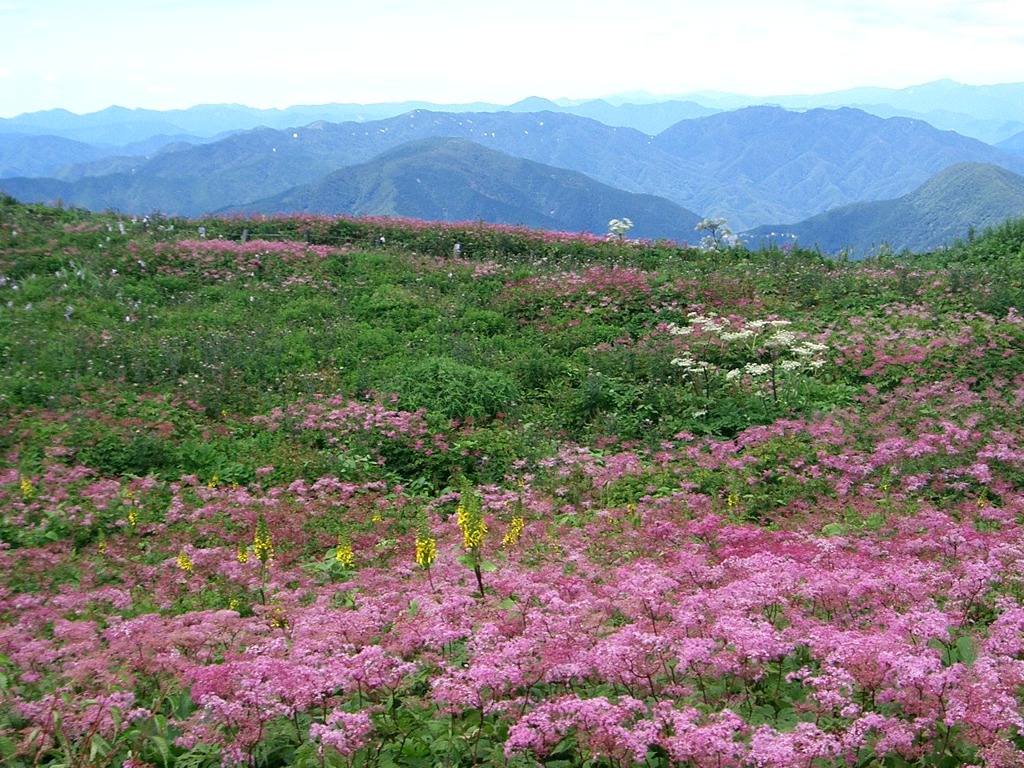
x,y
164,54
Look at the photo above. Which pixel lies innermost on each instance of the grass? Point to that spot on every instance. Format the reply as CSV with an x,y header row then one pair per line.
x,y
723,507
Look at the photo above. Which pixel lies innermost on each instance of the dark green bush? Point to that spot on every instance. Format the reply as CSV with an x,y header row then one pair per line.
x,y
457,391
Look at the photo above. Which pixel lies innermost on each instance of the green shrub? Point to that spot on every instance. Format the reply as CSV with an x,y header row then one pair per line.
x,y
454,390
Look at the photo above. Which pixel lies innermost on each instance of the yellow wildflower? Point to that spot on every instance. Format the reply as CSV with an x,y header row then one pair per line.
x,y
27,489
426,551
344,554
470,518
515,530
262,544
185,562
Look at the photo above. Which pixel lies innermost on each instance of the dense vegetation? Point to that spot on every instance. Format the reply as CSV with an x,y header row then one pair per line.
x,y
368,492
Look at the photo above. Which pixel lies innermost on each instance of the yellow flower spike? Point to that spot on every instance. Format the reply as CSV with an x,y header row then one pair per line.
x,y
27,489
262,544
470,518
344,554
515,530
426,551
185,562
242,555
133,517
426,545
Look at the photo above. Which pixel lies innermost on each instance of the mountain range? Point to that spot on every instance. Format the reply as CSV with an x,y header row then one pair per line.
x,y
991,113
822,173
451,179
959,199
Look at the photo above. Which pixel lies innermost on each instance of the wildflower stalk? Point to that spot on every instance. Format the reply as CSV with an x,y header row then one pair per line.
x,y
263,548
515,526
343,552
426,547
470,518
185,562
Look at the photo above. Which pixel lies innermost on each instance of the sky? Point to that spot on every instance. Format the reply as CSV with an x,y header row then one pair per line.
x,y
86,55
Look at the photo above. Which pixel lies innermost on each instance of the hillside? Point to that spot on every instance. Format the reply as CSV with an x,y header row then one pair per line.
x,y
440,179
752,166
962,198
257,164
1014,144
276,493
767,164
28,155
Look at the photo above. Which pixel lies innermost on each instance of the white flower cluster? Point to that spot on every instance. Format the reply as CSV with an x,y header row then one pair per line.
x,y
718,235
619,227
692,365
770,348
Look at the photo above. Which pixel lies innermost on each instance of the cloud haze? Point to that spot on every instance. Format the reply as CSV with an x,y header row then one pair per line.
x,y
161,54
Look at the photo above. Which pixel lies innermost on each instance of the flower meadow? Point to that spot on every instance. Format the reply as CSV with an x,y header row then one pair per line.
x,y
336,492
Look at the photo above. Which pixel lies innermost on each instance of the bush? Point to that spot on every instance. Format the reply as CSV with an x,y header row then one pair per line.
x,y
454,390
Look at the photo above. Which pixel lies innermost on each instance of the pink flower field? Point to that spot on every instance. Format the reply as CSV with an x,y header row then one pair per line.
x,y
327,575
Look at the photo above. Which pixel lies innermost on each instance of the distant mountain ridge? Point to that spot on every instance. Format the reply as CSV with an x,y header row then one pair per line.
x,y
991,113
118,127
961,197
50,156
29,155
451,179
753,165
768,164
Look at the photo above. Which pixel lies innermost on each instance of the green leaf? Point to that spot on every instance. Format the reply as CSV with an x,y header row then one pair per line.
x,y
834,529
967,649
98,746
163,746
487,566
7,747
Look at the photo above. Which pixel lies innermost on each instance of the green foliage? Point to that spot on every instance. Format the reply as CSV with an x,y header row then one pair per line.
x,y
206,408
454,390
